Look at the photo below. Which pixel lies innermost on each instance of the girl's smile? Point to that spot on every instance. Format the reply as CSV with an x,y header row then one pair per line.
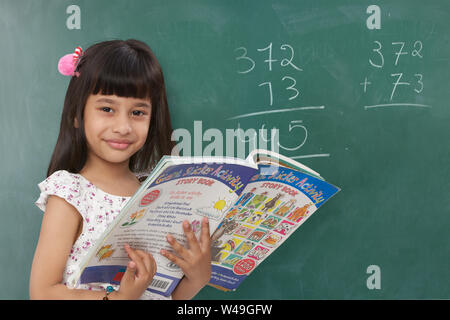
x,y
118,143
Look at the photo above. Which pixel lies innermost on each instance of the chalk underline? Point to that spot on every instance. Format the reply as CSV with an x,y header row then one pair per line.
x,y
398,105
311,156
252,114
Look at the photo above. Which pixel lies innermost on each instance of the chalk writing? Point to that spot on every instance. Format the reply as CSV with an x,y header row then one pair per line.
x,y
269,58
401,81
247,64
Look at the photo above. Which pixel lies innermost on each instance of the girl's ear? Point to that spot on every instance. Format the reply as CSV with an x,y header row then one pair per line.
x,y
75,123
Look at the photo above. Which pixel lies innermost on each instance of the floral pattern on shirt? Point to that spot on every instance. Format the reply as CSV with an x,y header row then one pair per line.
x,y
97,208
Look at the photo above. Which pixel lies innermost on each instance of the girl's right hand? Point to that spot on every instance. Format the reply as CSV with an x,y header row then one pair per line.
x,y
138,275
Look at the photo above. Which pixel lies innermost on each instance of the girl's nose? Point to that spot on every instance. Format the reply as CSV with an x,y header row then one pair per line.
x,y
122,125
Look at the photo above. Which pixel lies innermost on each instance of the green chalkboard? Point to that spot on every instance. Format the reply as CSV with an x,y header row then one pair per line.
x,y
355,91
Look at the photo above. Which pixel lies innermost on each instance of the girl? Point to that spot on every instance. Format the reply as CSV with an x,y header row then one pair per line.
x,y
114,125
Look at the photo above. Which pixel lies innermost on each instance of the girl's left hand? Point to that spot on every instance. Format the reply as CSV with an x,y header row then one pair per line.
x,y
195,260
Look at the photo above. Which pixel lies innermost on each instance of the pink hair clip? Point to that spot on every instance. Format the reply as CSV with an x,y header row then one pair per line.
x,y
68,63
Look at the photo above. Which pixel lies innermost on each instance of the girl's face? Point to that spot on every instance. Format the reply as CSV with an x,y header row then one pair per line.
x,y
115,127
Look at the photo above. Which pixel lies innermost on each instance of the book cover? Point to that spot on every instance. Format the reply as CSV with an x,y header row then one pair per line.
x,y
275,203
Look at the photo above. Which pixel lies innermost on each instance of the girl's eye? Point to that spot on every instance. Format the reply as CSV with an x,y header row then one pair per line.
x,y
106,109
138,113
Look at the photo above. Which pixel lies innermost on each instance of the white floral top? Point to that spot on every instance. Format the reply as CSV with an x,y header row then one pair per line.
x,y
97,208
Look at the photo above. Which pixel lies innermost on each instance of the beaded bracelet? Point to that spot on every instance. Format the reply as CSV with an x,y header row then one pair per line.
x,y
108,290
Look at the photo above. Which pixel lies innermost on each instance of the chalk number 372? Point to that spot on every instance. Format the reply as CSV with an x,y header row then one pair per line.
x,y
284,63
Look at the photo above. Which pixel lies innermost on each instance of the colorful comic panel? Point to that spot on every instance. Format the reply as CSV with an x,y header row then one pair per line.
x,y
270,222
257,235
231,260
226,227
243,215
285,208
256,218
257,200
243,231
232,244
272,240
245,247
246,197
258,253
285,227
272,203
299,213
232,212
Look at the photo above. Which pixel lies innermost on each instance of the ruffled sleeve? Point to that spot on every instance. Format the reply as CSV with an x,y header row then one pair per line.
x,y
62,184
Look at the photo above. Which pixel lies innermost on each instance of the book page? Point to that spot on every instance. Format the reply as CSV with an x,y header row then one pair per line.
x,y
271,208
181,192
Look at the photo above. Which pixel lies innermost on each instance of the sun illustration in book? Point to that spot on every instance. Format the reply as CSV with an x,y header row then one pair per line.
x,y
105,252
134,218
215,210
220,204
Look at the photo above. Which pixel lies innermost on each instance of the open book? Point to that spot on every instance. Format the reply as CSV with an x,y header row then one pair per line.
x,y
253,206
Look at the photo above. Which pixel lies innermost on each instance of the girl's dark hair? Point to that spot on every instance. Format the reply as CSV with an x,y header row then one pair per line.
x,y
126,69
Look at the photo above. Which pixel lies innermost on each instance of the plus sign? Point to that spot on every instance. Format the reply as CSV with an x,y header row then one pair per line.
x,y
365,83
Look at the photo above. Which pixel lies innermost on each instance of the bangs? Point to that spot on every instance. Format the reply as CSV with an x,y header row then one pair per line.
x,y
124,72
